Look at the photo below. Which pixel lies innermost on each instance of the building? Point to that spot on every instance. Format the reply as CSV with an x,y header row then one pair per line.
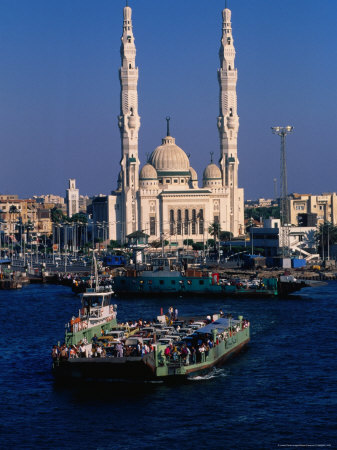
x,y
164,199
49,198
72,198
322,208
273,238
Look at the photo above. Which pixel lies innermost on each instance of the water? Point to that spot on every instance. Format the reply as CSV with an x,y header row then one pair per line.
x,y
281,390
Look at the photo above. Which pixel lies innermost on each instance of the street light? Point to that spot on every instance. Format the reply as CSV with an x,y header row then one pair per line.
x,y
282,132
284,207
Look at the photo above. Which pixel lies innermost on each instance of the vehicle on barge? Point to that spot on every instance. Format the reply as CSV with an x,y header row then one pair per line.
x,y
165,349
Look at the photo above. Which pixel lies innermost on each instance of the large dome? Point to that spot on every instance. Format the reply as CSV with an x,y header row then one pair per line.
x,y
212,172
148,172
169,157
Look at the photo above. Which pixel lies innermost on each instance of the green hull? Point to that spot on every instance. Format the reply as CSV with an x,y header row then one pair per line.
x,y
183,286
73,338
152,366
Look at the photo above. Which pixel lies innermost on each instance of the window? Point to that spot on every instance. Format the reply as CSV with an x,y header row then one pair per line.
x,y
173,281
175,181
152,226
161,281
201,281
216,219
194,221
171,222
229,41
182,180
201,221
160,181
179,221
186,222
168,181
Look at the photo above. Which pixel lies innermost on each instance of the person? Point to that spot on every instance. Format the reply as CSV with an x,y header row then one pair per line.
x,y
64,353
119,349
95,339
176,314
167,352
82,351
55,353
72,352
99,351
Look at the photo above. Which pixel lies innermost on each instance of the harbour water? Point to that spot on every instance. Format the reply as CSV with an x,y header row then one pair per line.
x,y
280,391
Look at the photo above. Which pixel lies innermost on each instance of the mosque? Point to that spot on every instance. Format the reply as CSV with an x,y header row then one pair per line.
x,y
163,198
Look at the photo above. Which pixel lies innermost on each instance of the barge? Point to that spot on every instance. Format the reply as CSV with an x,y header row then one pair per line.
x,y
98,348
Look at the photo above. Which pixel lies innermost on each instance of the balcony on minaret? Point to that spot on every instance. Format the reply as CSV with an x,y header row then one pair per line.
x,y
231,160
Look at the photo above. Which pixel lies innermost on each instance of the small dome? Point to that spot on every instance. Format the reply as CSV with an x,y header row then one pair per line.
x,y
212,172
194,175
148,172
169,157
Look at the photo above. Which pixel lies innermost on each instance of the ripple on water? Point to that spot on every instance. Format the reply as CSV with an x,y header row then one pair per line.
x,y
280,390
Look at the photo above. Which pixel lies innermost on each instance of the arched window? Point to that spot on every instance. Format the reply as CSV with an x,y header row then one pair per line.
x,y
186,222
171,222
194,221
201,221
179,221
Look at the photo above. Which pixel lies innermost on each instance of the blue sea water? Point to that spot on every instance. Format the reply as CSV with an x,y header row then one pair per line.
x,y
281,392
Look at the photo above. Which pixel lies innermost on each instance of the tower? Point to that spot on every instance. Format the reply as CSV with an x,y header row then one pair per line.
x,y
129,123
72,198
228,120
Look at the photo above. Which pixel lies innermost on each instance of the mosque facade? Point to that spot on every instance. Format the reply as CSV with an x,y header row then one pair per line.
x,y
163,198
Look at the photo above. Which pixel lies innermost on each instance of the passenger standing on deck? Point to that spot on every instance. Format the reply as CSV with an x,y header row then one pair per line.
x,y
82,351
119,349
176,314
55,353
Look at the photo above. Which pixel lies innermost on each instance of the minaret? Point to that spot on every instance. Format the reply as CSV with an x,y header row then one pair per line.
x,y
228,120
129,123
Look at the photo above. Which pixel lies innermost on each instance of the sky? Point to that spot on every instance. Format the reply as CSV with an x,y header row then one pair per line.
x,y
59,90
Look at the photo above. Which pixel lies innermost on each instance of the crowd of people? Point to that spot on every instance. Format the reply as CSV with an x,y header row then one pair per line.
x,y
191,349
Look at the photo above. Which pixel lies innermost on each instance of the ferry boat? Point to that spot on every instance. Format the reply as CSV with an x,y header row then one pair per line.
x,y
165,349
166,277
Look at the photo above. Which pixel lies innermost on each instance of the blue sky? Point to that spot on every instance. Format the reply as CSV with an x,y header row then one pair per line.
x,y
59,89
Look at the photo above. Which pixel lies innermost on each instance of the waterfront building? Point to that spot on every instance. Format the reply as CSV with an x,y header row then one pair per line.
x,y
17,215
72,198
164,199
272,238
313,208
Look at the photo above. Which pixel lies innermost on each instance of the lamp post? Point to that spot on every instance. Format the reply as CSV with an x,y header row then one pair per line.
x,y
284,210
283,132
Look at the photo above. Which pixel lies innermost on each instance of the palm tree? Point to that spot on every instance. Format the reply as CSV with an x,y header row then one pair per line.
x,y
215,230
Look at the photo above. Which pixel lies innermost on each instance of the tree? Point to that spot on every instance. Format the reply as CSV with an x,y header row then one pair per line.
x,y
326,236
215,230
188,242
225,235
79,218
198,246
262,211
57,215
113,244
